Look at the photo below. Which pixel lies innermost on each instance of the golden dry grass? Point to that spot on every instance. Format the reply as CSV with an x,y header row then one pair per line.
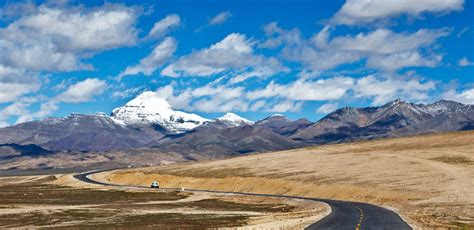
x,y
429,179
31,202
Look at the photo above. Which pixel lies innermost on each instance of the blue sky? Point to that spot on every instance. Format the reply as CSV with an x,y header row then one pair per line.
x,y
298,58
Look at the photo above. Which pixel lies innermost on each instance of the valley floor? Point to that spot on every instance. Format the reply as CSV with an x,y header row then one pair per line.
x,y
59,201
428,179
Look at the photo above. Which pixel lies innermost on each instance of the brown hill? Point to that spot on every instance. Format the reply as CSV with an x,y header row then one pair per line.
x,y
428,179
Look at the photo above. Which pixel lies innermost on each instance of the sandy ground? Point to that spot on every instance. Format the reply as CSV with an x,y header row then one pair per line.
x,y
428,179
306,212
249,212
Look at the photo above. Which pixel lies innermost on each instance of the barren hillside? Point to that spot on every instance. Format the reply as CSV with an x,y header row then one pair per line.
x,y
429,179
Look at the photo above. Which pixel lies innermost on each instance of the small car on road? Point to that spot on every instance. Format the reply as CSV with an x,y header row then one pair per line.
x,y
155,184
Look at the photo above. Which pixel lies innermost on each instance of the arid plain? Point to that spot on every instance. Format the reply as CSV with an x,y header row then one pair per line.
x,y
428,179
60,201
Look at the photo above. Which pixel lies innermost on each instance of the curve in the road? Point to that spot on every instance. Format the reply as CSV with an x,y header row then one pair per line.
x,y
344,214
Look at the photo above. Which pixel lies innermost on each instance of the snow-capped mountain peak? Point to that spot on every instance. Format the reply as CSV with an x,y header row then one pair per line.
x,y
149,101
232,119
150,108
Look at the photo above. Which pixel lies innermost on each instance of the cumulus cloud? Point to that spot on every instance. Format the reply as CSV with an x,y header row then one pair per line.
x,y
393,62
286,106
21,110
326,108
126,93
57,38
11,91
46,109
220,18
15,109
15,9
466,96
234,52
319,60
219,98
384,41
378,48
384,89
278,36
208,98
163,26
465,62
368,11
15,83
322,89
82,91
290,97
160,54
273,97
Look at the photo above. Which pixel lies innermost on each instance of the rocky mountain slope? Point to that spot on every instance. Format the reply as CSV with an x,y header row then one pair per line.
x,y
397,118
80,132
149,122
15,150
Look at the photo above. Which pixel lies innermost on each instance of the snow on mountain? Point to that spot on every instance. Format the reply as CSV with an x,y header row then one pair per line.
x,y
444,106
233,120
150,108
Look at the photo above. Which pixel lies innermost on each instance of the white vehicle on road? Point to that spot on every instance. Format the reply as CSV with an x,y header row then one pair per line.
x,y
155,184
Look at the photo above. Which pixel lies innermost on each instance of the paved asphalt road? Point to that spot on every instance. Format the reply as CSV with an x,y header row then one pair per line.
x,y
344,215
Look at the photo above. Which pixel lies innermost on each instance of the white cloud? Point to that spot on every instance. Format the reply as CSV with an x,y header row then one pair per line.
x,y
465,62
278,36
466,96
163,26
327,108
318,60
256,106
15,9
378,48
58,38
4,124
160,54
126,93
319,90
384,41
178,100
46,109
393,62
9,92
19,109
286,106
384,89
368,11
15,83
234,53
218,105
220,18
15,109
221,98
290,97
82,91
208,98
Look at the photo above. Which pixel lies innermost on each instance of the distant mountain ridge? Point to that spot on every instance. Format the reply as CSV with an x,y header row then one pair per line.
x,y
148,121
394,119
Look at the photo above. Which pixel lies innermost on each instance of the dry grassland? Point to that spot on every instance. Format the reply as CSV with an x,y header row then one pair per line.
x,y
32,202
428,179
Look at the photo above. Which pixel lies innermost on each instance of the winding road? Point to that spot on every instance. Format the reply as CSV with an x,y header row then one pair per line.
x,y
344,214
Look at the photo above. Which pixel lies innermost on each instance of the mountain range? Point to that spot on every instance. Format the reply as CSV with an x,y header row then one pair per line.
x,y
149,122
